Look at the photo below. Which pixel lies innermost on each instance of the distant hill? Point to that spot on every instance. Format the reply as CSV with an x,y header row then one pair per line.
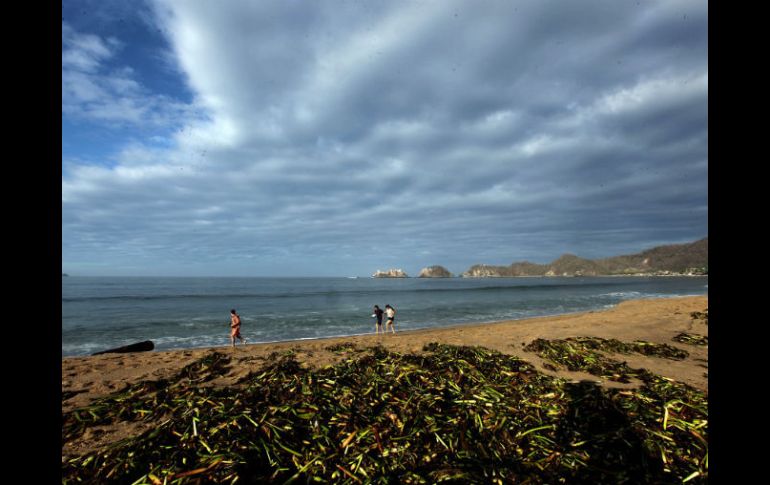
x,y
674,257
690,258
569,264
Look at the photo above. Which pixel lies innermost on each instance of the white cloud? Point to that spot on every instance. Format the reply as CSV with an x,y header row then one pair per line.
x,y
84,52
96,89
654,92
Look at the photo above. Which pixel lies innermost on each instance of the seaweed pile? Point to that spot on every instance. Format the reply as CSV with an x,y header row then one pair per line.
x,y
688,439
692,339
145,400
586,354
342,347
702,316
453,415
638,346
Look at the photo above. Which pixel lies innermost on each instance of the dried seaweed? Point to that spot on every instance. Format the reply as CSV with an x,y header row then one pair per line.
x,y
453,414
585,354
702,316
342,347
692,339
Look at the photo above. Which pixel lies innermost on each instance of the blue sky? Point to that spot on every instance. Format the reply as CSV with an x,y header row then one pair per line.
x,y
338,137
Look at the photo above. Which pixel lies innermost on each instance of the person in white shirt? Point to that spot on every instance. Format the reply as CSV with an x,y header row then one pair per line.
x,y
390,313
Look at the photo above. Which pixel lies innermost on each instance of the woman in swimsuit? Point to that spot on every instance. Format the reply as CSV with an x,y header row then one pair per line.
x,y
235,328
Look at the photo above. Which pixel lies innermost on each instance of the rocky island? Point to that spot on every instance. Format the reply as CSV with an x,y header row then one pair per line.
x,y
435,272
391,273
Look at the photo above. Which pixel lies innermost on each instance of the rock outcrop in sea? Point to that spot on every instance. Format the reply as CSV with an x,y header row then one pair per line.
x,y
435,272
391,273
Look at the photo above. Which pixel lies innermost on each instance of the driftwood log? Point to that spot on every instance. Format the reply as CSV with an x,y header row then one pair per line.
x,y
137,347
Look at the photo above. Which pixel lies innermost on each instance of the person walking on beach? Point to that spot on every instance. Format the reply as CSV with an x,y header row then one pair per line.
x,y
391,314
378,313
235,327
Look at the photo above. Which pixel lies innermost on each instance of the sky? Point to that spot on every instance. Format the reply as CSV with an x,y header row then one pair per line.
x,y
339,137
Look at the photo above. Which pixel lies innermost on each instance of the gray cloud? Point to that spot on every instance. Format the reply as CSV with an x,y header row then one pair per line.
x,y
342,137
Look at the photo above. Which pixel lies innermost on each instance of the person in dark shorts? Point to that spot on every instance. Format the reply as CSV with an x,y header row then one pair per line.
x,y
390,313
378,314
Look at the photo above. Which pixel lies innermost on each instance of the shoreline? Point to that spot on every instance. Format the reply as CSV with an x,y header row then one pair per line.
x,y
657,320
414,329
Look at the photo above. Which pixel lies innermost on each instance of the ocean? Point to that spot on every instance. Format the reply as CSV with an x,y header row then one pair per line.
x,y
99,313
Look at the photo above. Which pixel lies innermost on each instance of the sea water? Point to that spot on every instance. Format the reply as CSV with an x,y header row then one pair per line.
x,y
104,312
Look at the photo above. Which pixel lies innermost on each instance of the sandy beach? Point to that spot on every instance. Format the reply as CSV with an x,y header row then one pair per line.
x,y
656,321
85,379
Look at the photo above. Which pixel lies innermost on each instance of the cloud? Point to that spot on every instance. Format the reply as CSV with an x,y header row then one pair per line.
x,y
338,137
84,52
97,89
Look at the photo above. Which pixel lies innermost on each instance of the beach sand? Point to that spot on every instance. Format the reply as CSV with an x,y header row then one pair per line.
x,y
87,378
